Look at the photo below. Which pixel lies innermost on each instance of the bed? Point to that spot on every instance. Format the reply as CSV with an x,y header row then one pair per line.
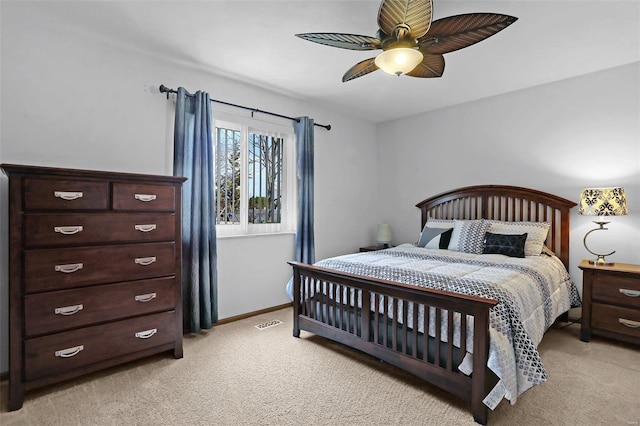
x,y
434,310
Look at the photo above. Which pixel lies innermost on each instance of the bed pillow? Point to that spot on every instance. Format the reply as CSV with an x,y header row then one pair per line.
x,y
440,241
439,223
536,233
435,238
511,245
468,235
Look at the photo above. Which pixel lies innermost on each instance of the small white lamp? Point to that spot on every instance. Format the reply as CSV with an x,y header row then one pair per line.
x,y
602,202
384,234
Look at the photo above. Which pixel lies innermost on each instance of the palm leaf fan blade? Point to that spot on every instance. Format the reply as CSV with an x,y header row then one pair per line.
x,y
416,14
431,66
460,31
360,69
343,41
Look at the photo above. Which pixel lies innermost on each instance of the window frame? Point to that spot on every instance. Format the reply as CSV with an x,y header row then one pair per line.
x,y
288,184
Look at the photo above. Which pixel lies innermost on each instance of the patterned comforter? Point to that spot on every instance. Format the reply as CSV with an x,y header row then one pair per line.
x,y
532,292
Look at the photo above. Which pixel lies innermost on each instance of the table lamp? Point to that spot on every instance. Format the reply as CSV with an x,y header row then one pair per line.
x,y
384,234
602,202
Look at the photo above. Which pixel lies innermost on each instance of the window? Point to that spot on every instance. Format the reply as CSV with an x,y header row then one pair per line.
x,y
253,179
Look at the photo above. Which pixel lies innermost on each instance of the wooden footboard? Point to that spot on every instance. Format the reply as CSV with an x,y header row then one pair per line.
x,y
359,318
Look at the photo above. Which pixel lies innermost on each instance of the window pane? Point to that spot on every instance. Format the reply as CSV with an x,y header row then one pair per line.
x,y
227,185
265,178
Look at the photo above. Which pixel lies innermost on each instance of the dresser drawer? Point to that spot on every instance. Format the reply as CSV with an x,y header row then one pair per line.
x,y
76,229
61,352
616,319
134,196
67,309
616,289
60,194
57,269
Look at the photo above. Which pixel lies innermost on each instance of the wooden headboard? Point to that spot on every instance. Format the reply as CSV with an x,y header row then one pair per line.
x,y
509,203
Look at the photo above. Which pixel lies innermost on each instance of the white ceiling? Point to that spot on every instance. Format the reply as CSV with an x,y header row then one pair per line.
x,y
253,41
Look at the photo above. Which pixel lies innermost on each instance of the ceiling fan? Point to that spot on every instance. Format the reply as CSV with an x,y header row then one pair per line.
x,y
411,44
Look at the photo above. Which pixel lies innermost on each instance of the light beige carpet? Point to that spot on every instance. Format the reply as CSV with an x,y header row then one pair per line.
x,y
236,374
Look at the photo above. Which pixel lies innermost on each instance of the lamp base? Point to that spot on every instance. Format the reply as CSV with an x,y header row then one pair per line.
x,y
600,261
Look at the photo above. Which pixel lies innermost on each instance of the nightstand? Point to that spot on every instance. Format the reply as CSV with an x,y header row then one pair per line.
x,y
611,301
374,247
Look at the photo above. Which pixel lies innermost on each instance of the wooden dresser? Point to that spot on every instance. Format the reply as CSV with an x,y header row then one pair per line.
x,y
94,272
611,301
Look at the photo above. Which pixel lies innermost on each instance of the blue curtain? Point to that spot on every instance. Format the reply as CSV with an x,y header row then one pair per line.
x,y
305,246
193,158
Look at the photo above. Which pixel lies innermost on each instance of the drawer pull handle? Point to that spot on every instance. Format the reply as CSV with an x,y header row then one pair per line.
x,y
69,310
69,352
630,293
144,261
629,323
145,197
146,334
145,297
145,228
67,269
67,230
69,196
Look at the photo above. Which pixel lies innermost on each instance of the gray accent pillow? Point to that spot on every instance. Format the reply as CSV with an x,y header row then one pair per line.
x,y
429,234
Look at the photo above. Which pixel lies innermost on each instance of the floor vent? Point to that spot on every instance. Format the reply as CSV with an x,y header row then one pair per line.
x,y
268,324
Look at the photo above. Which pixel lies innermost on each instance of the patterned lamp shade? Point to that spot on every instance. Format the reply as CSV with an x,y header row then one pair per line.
x,y
603,202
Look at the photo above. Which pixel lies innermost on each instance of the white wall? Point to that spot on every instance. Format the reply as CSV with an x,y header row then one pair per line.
x,y
71,100
556,138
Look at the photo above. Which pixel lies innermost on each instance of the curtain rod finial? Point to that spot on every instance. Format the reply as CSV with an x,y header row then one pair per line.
x,y
165,89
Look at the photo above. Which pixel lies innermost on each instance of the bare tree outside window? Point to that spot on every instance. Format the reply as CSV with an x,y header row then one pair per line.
x,y
227,182
265,178
261,178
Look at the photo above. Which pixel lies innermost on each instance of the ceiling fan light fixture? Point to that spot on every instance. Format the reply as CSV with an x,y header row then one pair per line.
x,y
411,42
399,60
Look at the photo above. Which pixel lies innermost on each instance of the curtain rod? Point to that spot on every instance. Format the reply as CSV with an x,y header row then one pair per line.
x,y
165,89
